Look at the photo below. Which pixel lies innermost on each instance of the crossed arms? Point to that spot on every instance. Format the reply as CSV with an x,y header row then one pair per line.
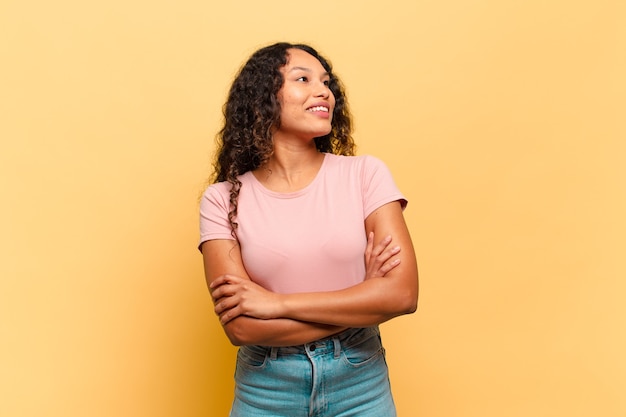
x,y
251,314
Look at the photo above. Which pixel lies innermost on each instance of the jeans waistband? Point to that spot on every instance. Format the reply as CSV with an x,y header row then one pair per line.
x,y
346,338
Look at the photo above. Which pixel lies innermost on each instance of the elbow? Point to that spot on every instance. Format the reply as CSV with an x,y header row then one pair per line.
x,y
234,340
401,305
235,334
406,303
411,297
400,301
413,307
403,297
243,331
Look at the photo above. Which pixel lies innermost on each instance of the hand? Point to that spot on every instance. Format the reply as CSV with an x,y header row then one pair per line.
x,y
234,296
379,259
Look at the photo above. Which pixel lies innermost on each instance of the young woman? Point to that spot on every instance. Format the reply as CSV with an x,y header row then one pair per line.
x,y
305,246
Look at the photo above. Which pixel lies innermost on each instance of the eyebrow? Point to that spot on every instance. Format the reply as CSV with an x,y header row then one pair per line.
x,y
305,69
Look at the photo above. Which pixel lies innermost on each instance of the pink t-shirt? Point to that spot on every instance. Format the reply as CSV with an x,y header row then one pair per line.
x,y
306,241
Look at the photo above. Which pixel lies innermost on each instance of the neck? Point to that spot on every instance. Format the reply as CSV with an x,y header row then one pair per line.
x,y
292,157
291,167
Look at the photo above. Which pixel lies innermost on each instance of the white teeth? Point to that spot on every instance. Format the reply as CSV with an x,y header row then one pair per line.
x,y
318,108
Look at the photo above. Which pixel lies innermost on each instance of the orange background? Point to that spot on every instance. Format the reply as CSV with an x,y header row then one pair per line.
x,y
503,123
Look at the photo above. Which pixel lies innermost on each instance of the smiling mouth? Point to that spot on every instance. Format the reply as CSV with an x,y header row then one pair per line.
x,y
318,108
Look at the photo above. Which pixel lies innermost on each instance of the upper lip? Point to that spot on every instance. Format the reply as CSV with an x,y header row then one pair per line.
x,y
320,104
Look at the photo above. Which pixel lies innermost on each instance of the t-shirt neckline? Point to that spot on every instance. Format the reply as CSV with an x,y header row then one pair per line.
x,y
293,194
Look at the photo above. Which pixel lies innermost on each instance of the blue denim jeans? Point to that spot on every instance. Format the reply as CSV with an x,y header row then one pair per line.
x,y
344,375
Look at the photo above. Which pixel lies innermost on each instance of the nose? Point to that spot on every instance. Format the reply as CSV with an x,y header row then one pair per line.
x,y
322,90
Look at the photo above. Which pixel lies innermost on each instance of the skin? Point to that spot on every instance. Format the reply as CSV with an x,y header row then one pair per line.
x,y
251,314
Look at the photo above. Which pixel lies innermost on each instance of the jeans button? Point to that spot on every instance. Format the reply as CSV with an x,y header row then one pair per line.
x,y
312,348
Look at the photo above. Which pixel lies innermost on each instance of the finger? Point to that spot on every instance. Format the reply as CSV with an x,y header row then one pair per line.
x,y
223,291
369,247
223,304
388,266
216,294
224,280
383,263
390,252
387,254
381,246
221,280
228,315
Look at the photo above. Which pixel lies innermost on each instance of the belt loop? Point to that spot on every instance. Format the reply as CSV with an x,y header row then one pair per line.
x,y
337,346
273,353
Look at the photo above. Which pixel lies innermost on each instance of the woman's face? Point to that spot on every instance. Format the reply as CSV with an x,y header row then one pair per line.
x,y
307,103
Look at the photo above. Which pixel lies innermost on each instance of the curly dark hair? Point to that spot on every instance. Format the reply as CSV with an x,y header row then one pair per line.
x,y
252,112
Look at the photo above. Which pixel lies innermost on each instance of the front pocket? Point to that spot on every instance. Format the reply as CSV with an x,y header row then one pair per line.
x,y
367,351
252,356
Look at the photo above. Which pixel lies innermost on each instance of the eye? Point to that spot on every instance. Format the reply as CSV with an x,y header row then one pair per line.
x,y
327,83
303,79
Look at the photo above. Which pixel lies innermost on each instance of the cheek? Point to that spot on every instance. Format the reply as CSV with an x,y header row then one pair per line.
x,y
294,98
332,100
289,116
291,105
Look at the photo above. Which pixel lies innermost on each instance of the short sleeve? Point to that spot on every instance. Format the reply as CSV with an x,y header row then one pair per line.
x,y
378,186
214,208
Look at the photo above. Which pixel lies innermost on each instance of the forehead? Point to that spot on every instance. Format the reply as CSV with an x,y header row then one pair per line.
x,y
297,58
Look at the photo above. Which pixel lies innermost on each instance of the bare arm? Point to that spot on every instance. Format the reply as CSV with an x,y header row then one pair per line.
x,y
224,256
389,290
